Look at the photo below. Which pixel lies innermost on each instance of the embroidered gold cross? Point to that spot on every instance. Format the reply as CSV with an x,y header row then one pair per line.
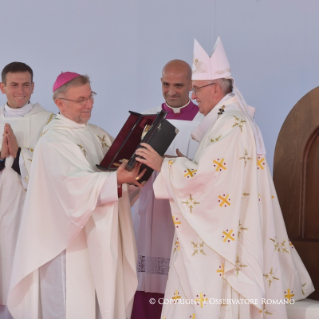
x,y
195,250
201,300
245,194
176,297
289,295
83,150
176,222
213,140
276,245
224,200
103,141
190,173
260,162
219,164
303,288
170,162
190,202
239,265
201,251
177,247
241,229
193,316
271,277
245,157
265,311
283,246
221,270
228,235
239,122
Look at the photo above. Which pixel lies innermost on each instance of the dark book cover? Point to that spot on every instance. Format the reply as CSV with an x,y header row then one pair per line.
x,y
152,129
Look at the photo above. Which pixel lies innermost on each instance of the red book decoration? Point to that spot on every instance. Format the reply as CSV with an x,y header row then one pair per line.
x,y
152,129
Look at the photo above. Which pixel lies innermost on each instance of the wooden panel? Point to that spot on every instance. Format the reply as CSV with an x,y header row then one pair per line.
x,y
308,252
310,184
296,178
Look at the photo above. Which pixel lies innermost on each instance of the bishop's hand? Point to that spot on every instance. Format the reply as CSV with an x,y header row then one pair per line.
x,y
150,157
132,177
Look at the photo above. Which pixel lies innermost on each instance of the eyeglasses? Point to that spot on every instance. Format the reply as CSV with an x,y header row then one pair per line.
x,y
82,101
196,89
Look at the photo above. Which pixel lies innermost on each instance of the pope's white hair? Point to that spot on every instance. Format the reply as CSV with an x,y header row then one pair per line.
x,y
225,84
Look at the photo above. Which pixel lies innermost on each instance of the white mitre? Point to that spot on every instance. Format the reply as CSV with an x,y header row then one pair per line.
x,y
210,68
216,67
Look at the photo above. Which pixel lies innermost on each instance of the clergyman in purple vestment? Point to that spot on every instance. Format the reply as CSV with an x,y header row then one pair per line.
x,y
154,227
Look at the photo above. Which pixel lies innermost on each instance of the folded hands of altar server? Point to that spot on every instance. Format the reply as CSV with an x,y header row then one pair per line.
x,y
150,157
132,177
9,143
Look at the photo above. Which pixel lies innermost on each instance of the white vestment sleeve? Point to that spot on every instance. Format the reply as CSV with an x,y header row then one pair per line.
x,y
24,173
160,188
108,193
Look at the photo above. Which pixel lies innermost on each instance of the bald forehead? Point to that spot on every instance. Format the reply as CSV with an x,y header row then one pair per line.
x,y
178,66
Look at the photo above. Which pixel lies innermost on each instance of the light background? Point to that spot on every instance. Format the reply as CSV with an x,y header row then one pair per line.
x,y
272,46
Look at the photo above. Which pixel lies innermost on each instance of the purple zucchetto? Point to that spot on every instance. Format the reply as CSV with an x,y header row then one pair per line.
x,y
63,78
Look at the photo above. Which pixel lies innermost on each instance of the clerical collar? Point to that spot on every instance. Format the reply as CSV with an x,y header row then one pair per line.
x,y
177,109
19,112
61,117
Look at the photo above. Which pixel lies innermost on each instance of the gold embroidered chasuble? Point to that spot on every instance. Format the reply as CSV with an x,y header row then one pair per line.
x,y
62,213
27,130
230,240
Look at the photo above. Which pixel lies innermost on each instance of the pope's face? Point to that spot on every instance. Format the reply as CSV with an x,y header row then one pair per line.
x,y
205,97
176,87
18,88
79,105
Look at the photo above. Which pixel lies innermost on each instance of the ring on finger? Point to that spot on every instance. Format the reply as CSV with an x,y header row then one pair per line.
x,y
137,178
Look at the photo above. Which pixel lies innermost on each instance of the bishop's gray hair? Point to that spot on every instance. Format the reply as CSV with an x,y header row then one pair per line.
x,y
78,81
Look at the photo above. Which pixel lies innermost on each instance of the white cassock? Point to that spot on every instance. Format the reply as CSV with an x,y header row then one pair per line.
x,y
152,217
73,225
27,124
230,240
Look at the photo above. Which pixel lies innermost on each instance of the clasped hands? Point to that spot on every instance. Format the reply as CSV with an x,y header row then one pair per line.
x,y
9,143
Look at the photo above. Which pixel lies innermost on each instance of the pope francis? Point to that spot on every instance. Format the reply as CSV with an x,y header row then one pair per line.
x,y
75,254
231,256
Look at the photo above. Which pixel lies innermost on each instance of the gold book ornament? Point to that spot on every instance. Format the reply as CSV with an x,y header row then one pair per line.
x,y
146,129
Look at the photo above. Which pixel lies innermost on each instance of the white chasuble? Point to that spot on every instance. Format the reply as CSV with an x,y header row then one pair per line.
x,y
230,241
27,130
152,219
61,214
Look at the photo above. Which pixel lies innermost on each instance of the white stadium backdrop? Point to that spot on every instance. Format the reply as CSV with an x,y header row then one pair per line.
x,y
272,46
